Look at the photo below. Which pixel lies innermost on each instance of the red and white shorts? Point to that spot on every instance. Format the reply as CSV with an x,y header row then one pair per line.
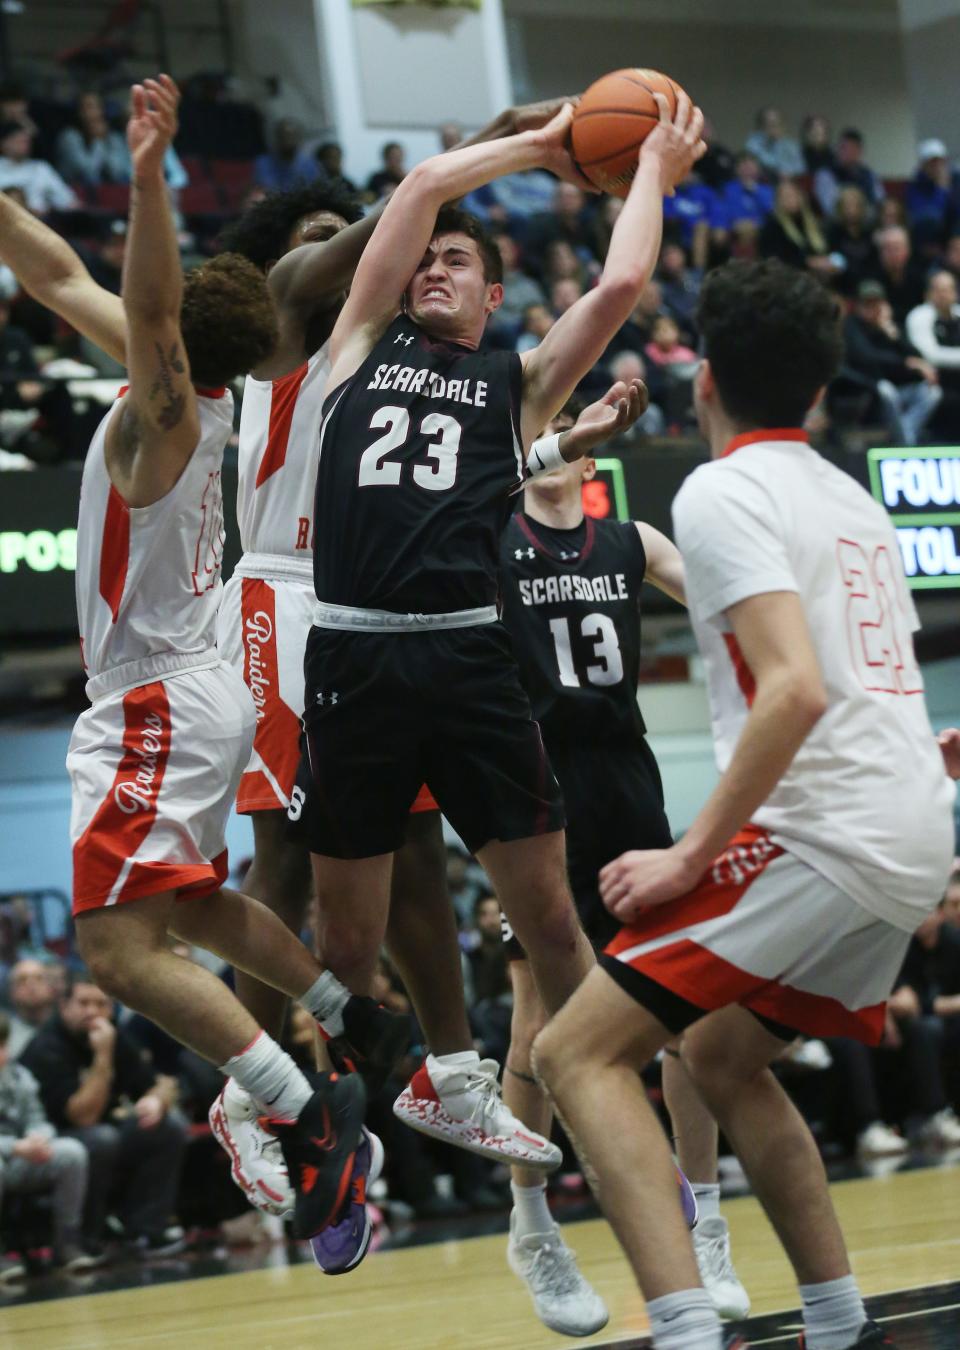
x,y
154,771
262,630
767,932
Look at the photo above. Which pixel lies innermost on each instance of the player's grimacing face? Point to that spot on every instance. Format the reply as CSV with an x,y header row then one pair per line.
x,y
449,289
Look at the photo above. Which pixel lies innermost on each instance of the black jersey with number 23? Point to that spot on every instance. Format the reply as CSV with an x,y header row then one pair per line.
x,y
573,615
418,453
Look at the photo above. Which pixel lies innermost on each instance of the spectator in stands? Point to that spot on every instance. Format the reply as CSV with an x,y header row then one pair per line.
x,y
486,962
898,272
17,358
680,289
931,972
847,170
793,234
815,142
627,366
392,172
905,384
565,222
43,188
716,167
850,234
98,1087
92,152
779,153
934,326
602,225
559,261
14,107
538,319
520,291
32,999
513,199
951,257
636,332
33,1159
287,164
105,262
564,294
892,212
746,198
330,159
694,217
665,347
931,197
451,134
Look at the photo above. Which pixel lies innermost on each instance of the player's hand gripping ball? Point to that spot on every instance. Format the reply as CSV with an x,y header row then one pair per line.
x,y
611,122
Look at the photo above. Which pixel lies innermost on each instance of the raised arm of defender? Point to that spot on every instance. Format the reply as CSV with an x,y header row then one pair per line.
x,y
156,433
578,339
49,270
406,228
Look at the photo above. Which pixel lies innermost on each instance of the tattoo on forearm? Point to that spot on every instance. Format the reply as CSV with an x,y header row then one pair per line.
x,y
524,1077
172,409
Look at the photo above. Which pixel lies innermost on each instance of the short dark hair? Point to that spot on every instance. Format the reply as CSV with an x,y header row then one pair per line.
x,y
452,220
772,335
573,407
227,319
388,146
262,233
77,975
851,134
4,1028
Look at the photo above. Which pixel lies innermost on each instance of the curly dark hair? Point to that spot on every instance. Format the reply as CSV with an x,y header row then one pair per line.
x,y
772,335
452,220
262,233
227,319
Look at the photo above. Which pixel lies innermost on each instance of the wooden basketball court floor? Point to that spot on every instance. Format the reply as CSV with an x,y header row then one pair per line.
x,y
903,1231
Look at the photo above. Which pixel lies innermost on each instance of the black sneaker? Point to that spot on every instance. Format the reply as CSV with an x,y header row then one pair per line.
x,y
155,1246
373,1041
73,1258
318,1149
872,1337
12,1269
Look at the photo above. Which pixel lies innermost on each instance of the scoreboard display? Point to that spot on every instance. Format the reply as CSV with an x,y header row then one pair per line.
x,y
920,487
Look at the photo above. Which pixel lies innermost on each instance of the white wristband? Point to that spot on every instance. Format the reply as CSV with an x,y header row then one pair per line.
x,y
545,456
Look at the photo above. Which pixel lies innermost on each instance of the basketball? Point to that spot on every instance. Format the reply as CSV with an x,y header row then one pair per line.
x,y
613,119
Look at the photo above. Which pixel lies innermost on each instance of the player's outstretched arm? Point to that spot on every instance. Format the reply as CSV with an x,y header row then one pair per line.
x,y
579,337
406,226
149,444
664,563
773,637
49,270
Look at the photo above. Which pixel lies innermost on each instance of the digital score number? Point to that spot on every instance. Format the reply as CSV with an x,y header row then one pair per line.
x,y
605,496
921,490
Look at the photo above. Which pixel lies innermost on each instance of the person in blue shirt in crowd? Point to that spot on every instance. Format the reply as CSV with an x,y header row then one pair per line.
x,y
933,196
287,165
695,213
746,197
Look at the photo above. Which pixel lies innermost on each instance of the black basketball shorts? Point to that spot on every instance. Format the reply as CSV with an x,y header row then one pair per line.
x,y
613,797
387,712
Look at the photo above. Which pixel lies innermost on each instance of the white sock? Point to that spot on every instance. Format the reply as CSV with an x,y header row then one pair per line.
x,y
708,1200
531,1208
685,1321
270,1076
833,1313
325,1000
459,1060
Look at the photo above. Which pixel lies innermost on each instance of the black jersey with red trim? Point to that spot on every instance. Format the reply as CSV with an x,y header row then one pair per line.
x,y
419,451
571,603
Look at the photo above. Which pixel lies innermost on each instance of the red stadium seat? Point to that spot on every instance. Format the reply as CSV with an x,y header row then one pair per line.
x,y
114,197
201,198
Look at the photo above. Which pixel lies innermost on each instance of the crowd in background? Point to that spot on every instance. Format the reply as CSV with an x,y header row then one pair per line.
x,y
105,1153
103,1140
891,250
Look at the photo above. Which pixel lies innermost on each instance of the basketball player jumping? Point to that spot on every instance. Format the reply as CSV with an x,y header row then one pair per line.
x,y
155,762
571,589
410,677
788,905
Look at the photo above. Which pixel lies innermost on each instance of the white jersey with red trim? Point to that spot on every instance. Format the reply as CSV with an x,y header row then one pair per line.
x,y
148,578
279,446
866,801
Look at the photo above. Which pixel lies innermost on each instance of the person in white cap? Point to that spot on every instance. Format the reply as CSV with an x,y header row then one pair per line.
x,y
931,194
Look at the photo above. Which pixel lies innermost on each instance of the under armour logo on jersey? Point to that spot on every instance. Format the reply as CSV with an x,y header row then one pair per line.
x,y
519,553
325,700
568,557
402,337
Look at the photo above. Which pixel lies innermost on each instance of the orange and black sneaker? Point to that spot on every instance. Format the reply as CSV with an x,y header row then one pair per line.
x,y
319,1148
372,1043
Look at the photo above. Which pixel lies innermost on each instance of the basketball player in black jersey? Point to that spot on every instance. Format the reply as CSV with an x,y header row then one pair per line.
x,y
409,675
570,595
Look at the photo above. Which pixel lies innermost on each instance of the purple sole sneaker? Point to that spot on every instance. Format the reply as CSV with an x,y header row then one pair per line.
x,y
691,1210
343,1245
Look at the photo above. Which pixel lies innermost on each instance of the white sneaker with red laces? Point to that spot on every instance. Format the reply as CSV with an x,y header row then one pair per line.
x,y
462,1104
256,1160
